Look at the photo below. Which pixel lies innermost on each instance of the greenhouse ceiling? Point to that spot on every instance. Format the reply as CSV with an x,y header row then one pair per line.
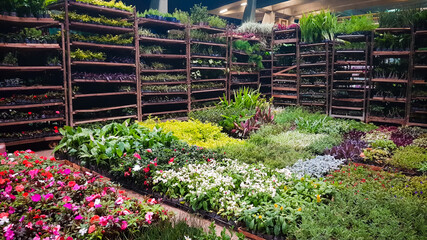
x,y
295,8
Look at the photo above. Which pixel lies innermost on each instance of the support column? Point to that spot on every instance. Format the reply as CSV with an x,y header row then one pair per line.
x,y
161,5
269,17
249,13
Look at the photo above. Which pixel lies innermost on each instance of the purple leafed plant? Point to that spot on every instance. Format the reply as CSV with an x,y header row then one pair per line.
x,y
265,115
354,135
349,149
243,129
401,139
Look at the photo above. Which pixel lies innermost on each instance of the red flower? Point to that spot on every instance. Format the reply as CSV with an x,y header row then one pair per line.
x,y
29,113
71,183
19,188
25,194
171,160
94,219
146,170
92,228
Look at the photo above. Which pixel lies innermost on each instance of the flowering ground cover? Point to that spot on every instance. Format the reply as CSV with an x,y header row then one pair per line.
x,y
41,199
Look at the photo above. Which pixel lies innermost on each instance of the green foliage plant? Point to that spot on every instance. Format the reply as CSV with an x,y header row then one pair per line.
x,y
199,14
354,24
409,157
318,27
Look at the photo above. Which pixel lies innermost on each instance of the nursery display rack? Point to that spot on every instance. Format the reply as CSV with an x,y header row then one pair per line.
x,y
266,74
174,99
100,98
208,82
388,96
285,82
240,79
32,119
314,75
417,109
349,80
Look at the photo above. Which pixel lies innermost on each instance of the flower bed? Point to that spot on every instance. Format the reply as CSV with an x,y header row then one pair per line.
x,y
43,199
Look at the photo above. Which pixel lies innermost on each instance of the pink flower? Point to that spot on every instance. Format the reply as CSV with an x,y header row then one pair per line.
x,y
36,198
137,155
9,234
66,199
76,187
93,197
68,205
66,171
29,225
48,196
78,217
148,217
119,201
36,237
103,221
56,230
171,160
149,150
92,228
124,225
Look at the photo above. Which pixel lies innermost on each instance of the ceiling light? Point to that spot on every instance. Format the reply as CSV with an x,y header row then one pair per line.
x,y
223,10
244,4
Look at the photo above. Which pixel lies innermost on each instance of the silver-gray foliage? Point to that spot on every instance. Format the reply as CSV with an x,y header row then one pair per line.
x,y
316,167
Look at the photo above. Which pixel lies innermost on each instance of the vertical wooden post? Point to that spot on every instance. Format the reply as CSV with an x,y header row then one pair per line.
x,y
410,75
69,71
370,85
187,63
331,88
64,76
137,67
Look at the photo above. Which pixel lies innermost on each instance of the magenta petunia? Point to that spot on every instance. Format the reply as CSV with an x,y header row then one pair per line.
x,y
68,205
124,225
36,198
78,217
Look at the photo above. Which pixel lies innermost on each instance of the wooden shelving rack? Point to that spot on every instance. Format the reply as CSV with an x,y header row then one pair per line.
x,y
417,109
314,85
204,96
266,74
37,120
285,82
390,105
240,79
175,53
349,89
99,100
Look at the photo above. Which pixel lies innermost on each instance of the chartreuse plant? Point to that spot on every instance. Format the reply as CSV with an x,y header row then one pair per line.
x,y
409,157
361,23
110,4
194,132
87,55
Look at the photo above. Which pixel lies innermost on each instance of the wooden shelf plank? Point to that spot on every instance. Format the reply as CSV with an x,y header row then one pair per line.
x,y
391,53
102,94
104,119
163,103
205,99
31,46
209,43
162,23
162,70
389,80
163,56
285,96
208,57
27,21
32,88
106,64
5,107
163,113
209,80
284,89
392,29
348,108
281,41
209,68
385,120
101,45
103,109
380,99
209,90
162,83
33,140
3,124
244,83
99,28
284,54
163,93
102,81
348,99
161,40
244,73
30,68
347,116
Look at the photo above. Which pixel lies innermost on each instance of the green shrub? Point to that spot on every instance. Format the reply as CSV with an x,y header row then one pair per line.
x,y
326,142
377,156
387,145
420,142
364,216
409,157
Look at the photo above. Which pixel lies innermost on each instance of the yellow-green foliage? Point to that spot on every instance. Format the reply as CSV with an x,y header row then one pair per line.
x,y
194,132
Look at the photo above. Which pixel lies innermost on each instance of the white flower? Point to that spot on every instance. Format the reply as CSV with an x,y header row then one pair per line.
x,y
4,220
97,201
83,231
136,168
187,238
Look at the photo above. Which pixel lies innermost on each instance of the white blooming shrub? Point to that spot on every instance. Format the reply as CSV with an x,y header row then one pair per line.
x,y
235,190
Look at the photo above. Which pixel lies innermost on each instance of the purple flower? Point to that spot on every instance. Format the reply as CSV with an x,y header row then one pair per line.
x,y
78,217
36,197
